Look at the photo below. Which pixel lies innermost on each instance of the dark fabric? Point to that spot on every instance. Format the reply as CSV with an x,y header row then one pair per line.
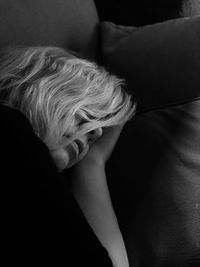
x,y
154,172
160,62
66,23
154,180
138,12
40,221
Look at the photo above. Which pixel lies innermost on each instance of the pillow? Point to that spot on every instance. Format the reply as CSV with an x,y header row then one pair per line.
x,y
154,181
160,62
65,23
154,172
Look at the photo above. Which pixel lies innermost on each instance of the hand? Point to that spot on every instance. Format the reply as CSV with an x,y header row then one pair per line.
x,y
99,151
102,148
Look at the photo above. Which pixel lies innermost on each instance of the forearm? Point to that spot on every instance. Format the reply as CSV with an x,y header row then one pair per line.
x,y
90,189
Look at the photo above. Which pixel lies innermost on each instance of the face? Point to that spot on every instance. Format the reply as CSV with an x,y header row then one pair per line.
x,y
76,151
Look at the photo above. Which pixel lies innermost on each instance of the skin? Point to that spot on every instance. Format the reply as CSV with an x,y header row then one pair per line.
x,y
89,187
69,156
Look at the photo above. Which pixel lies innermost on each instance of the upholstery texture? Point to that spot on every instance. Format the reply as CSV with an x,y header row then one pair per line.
x,y
160,62
138,13
67,23
154,179
154,172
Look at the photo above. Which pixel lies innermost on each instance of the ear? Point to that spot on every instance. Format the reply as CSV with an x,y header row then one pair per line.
x,y
94,135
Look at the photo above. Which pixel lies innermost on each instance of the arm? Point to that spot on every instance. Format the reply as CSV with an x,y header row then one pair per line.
x,y
90,189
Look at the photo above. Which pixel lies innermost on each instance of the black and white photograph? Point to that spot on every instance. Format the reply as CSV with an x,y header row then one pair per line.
x,y
100,133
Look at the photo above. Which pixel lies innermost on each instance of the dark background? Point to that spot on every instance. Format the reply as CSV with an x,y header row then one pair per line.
x,y
138,12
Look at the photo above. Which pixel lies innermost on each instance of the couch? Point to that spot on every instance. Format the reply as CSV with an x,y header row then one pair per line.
x,y
154,172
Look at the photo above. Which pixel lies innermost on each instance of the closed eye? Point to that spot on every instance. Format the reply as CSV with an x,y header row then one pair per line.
x,y
80,145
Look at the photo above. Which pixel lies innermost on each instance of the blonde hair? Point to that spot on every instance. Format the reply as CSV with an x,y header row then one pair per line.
x,y
57,90
190,8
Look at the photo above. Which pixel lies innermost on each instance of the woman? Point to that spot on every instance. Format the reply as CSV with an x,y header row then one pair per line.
x,y
77,110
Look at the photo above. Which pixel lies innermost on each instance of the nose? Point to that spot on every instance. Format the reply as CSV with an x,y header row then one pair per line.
x,y
94,135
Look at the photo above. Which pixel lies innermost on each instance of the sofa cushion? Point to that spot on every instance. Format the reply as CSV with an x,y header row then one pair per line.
x,y
160,62
154,171
154,180
138,13
66,23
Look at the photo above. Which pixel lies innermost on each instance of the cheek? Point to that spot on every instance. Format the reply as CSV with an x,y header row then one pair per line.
x,y
64,157
68,156
61,159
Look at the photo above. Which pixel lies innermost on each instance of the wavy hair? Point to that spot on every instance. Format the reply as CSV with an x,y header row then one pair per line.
x,y
190,8
57,90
